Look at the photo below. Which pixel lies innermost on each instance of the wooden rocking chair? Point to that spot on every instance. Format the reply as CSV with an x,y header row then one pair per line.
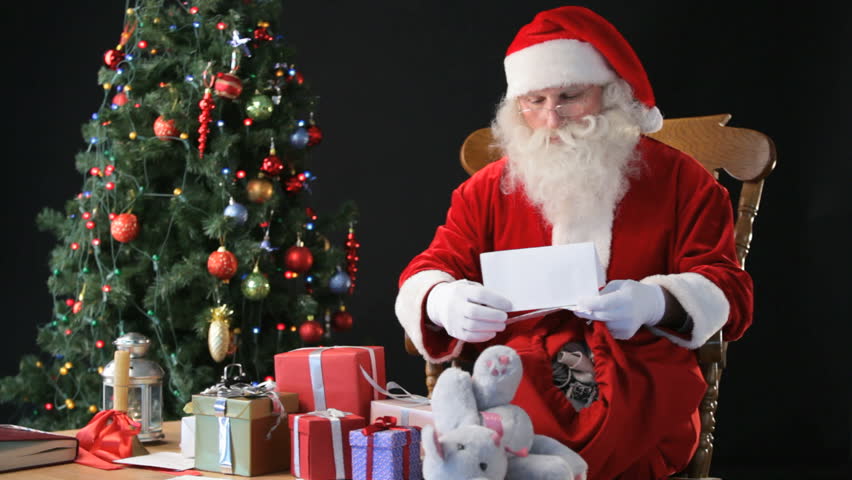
x,y
748,157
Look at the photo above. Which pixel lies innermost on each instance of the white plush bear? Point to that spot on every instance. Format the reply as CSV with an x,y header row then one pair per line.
x,y
479,435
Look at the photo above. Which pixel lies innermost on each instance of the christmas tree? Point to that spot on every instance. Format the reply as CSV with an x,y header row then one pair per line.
x,y
193,224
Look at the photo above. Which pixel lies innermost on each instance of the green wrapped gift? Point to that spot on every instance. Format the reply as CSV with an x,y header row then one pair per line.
x,y
231,434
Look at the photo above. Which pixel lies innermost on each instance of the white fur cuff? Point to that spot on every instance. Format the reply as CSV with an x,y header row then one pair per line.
x,y
409,309
701,299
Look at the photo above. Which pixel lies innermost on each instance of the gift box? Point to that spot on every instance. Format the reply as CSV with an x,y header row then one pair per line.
x,y
385,451
321,444
332,377
236,435
407,413
187,436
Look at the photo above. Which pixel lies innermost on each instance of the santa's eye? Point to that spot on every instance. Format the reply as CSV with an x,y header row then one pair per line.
x,y
460,446
483,466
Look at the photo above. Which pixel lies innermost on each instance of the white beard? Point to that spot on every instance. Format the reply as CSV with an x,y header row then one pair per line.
x,y
577,182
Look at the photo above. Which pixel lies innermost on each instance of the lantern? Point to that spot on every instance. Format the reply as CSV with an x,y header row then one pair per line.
x,y
145,387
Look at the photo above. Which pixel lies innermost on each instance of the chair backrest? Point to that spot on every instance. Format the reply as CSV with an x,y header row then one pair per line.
x,y
747,156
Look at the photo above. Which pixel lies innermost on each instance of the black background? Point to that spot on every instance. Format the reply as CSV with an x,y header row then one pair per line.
x,y
402,83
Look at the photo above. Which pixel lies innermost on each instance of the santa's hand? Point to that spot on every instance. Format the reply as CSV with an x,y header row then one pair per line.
x,y
467,310
625,305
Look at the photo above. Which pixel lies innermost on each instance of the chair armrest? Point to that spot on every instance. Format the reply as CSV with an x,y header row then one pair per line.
x,y
714,350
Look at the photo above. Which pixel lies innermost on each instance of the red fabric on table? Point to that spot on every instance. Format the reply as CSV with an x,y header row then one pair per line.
x,y
108,436
345,386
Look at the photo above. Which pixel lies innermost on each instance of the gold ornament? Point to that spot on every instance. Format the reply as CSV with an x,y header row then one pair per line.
x,y
184,136
70,404
132,135
260,190
69,365
93,409
63,371
219,335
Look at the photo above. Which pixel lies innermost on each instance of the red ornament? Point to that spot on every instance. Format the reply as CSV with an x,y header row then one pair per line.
x,y
164,129
113,57
311,331
351,249
124,227
222,264
294,184
119,99
314,135
204,118
262,35
228,85
69,302
341,321
272,165
298,259
99,344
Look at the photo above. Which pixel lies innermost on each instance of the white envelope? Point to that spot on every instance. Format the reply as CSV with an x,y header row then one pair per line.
x,y
550,277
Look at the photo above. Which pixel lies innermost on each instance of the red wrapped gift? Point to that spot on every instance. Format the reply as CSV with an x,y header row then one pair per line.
x,y
332,377
320,444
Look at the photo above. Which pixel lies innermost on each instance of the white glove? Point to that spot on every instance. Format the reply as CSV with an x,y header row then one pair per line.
x,y
467,310
625,305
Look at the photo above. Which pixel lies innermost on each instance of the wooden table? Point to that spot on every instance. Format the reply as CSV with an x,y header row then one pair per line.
x,y
75,471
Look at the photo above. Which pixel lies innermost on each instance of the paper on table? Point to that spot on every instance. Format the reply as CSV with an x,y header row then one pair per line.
x,y
169,460
543,278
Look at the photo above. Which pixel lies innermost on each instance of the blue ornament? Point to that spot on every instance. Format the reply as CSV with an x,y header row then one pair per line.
x,y
340,283
238,212
299,138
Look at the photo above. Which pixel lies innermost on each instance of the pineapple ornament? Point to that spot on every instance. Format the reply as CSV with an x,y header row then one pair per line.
x,y
219,333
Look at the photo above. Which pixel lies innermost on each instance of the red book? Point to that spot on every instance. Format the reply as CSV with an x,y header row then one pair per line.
x,y
22,447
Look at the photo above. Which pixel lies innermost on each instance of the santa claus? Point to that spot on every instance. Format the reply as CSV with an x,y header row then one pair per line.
x,y
615,379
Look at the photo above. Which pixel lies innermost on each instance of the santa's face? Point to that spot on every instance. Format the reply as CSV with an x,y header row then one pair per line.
x,y
552,107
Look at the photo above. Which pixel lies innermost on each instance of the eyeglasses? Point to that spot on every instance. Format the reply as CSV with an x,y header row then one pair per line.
x,y
564,110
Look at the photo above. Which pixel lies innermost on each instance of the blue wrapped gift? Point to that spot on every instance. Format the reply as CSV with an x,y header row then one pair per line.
x,y
384,451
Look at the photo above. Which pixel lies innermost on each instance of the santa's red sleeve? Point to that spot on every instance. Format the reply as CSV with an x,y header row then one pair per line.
x,y
707,279
452,255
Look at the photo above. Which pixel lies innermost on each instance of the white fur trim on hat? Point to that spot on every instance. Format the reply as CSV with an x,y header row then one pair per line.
x,y
409,309
555,63
703,301
651,121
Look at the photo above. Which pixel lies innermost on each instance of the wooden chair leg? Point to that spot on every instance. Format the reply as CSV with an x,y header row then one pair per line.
x,y
699,466
433,370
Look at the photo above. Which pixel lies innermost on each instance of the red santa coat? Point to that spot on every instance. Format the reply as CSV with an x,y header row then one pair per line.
x,y
674,228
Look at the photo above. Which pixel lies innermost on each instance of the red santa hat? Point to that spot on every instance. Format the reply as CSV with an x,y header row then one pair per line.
x,y
573,45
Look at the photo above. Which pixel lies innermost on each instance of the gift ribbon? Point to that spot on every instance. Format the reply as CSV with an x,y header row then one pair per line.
x,y
315,367
382,424
265,389
226,464
333,415
407,397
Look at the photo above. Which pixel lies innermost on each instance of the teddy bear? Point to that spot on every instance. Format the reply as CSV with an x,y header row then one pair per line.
x,y
479,435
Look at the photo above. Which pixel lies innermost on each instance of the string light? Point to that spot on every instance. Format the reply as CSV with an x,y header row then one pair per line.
x,y
280,327
48,406
75,246
99,344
